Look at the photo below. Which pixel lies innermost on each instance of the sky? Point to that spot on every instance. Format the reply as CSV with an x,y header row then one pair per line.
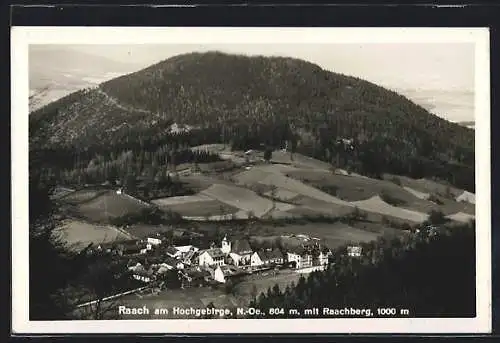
x,y
428,66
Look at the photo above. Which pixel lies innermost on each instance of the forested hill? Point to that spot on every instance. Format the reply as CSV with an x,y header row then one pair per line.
x,y
254,101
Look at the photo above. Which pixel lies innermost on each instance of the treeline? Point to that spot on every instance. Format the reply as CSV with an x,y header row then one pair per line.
x,y
252,102
430,273
60,278
98,166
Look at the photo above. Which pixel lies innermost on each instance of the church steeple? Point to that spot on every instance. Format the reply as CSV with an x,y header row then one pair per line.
x,y
226,246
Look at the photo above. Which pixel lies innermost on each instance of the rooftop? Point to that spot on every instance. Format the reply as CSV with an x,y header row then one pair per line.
x,y
214,253
241,246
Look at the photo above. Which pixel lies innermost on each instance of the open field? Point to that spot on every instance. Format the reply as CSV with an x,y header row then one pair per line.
x,y
269,177
312,206
181,200
354,189
198,183
418,194
79,234
377,205
467,197
242,198
203,208
299,160
83,195
261,282
216,148
110,205
333,234
461,217
60,192
425,185
144,230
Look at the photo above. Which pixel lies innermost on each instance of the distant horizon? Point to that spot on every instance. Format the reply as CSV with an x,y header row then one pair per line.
x,y
406,68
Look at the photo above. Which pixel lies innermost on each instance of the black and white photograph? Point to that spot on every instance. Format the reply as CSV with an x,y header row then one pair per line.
x,y
248,180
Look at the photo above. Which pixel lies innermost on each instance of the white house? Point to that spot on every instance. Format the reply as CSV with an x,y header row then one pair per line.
x,y
142,275
324,256
154,241
218,275
301,257
211,257
223,273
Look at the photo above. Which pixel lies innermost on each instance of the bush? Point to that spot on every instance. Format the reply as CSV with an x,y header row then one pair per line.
x,y
437,217
435,199
396,180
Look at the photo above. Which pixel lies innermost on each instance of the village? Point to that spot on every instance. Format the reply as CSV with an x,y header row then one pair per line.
x,y
152,260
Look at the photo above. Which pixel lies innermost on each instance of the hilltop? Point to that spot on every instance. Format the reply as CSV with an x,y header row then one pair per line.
x,y
251,103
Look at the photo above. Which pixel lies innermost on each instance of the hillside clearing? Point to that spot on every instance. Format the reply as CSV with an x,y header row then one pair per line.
x,y
79,234
298,160
461,217
82,195
425,185
353,189
466,197
314,207
377,205
282,194
242,198
420,195
180,200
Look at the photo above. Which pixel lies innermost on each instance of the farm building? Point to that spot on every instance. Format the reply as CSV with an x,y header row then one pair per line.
x,y
223,273
300,256
267,258
211,257
143,275
155,240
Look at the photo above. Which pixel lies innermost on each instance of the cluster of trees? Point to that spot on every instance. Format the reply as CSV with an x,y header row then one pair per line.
x,y
149,216
251,102
431,274
61,278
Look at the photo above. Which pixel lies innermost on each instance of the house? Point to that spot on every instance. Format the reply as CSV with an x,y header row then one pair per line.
x,y
218,275
300,256
130,248
267,258
154,240
185,250
211,257
225,246
240,252
223,273
143,275
324,256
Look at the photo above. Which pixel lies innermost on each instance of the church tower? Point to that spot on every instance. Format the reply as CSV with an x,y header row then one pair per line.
x,y
226,246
